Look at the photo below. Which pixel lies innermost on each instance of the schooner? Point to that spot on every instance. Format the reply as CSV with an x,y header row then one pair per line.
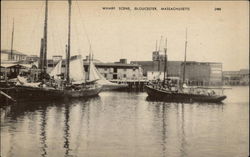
x,y
76,84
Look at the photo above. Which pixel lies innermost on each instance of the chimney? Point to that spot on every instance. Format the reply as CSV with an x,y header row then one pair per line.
x,y
123,61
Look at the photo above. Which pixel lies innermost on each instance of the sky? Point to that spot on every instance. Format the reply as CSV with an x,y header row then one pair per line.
x,y
212,35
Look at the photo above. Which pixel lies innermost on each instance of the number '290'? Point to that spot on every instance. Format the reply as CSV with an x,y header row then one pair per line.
x,y
217,9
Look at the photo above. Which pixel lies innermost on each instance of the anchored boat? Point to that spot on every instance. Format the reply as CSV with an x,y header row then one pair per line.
x,y
166,91
179,96
77,84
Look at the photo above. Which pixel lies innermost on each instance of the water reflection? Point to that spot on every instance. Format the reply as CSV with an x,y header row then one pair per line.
x,y
150,99
66,130
19,111
12,140
124,124
161,123
164,133
82,112
166,113
183,140
43,132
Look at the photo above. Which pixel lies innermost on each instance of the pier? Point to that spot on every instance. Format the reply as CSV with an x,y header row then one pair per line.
x,y
132,84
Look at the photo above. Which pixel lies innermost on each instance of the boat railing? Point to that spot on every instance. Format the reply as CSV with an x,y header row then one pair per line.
x,y
205,90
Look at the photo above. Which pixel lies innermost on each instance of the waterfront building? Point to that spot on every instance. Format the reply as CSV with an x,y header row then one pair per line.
x,y
202,73
12,69
158,56
240,77
120,71
16,55
56,58
197,73
32,58
111,71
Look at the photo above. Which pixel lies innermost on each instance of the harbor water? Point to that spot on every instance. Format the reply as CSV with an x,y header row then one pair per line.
x,y
126,124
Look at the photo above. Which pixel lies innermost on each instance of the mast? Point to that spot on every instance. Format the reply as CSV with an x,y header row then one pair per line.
x,y
184,67
156,46
12,39
45,37
68,54
159,56
160,44
41,63
89,62
165,62
66,62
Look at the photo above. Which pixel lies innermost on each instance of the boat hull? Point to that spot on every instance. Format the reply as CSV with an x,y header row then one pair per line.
x,y
83,92
157,94
26,93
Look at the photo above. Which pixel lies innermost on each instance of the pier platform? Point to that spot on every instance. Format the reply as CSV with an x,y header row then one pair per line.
x,y
132,84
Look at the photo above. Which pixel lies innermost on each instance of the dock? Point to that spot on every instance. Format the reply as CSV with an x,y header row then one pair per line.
x,y
132,84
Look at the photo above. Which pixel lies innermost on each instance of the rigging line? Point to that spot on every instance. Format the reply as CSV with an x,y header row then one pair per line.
x,y
81,21
7,28
84,28
61,47
38,17
53,40
59,41
160,46
52,35
77,36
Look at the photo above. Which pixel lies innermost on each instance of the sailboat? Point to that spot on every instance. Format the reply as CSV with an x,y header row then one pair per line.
x,y
101,80
107,85
166,91
76,84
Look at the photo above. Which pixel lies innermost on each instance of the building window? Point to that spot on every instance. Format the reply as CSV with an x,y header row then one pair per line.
x,y
133,75
134,69
124,75
105,75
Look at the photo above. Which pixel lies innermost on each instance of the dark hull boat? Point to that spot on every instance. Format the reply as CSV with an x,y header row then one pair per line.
x,y
159,92
171,96
76,85
24,93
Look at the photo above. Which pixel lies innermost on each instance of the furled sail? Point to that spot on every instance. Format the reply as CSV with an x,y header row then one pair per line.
x,y
76,74
57,70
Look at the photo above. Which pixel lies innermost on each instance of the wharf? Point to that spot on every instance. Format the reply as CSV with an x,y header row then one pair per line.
x,y
139,84
132,84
